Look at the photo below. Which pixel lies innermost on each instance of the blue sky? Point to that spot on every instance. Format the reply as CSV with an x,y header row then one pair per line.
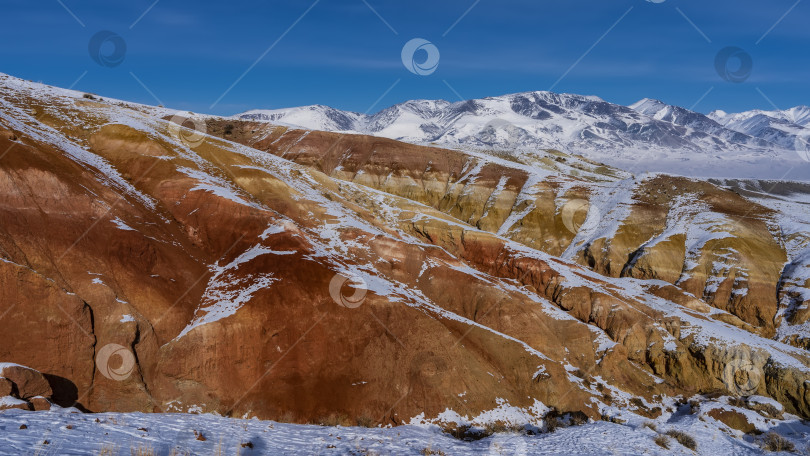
x,y
347,53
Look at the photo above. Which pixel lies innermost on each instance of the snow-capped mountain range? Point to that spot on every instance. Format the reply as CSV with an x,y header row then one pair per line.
x,y
788,129
647,136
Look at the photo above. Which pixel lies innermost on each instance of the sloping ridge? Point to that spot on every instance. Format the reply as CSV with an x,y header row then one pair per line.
x,y
219,267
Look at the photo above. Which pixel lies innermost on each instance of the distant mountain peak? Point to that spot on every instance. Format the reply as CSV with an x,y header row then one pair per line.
x,y
582,124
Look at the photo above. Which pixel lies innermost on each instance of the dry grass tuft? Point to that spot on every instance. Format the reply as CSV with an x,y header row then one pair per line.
x,y
365,421
142,450
286,417
683,438
468,433
335,419
650,425
500,427
737,402
108,450
662,441
775,442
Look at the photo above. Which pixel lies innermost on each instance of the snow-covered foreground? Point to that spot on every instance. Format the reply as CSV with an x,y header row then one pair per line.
x,y
167,434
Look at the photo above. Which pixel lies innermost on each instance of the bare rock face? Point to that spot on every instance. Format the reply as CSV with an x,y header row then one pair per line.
x,y
7,387
23,388
794,302
277,273
29,383
40,403
61,327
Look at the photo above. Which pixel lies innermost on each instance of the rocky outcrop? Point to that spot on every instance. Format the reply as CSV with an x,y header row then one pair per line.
x,y
7,387
689,233
295,274
23,388
27,382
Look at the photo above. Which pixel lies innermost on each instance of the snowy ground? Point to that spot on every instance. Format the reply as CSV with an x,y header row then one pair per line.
x,y
176,434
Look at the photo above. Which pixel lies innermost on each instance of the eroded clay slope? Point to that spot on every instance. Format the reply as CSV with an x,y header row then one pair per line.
x,y
214,264
723,248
